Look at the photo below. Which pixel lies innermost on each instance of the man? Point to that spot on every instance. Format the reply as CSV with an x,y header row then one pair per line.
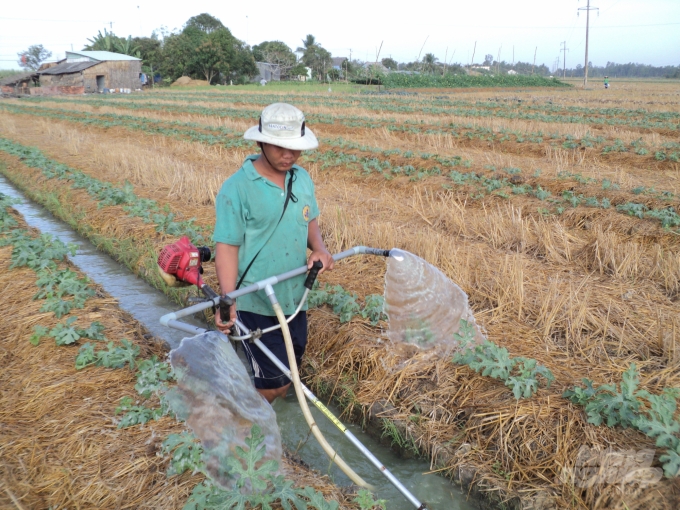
x,y
266,219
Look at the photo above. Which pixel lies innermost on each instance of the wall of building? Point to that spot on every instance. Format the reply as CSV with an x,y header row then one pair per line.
x,y
61,80
122,74
56,91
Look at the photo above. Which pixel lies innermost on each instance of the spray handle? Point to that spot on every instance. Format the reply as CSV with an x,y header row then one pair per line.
x,y
313,272
225,308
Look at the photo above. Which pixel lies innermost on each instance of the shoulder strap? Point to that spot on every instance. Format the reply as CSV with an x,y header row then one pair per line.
x,y
289,197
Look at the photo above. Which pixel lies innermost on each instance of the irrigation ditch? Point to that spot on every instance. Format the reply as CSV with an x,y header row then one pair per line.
x,y
140,308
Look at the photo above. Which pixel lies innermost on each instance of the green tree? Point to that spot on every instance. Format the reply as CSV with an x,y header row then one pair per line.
x,y
215,55
126,47
244,68
205,23
274,52
298,69
390,64
315,57
33,57
277,54
308,43
150,50
102,42
429,63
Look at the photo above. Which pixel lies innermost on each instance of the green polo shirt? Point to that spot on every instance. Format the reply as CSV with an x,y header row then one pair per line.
x,y
248,208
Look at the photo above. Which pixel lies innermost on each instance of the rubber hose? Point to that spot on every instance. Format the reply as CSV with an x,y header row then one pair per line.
x,y
295,376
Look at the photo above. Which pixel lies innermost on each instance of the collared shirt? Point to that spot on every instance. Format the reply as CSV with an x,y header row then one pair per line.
x,y
248,208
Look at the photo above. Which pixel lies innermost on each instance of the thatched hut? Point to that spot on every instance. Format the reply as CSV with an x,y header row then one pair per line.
x,y
18,83
93,71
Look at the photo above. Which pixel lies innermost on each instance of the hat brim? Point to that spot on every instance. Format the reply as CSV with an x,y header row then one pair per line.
x,y
304,143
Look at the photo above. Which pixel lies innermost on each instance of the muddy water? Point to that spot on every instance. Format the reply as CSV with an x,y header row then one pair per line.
x,y
147,305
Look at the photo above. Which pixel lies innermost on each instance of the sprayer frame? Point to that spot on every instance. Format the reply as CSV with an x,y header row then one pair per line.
x,y
172,320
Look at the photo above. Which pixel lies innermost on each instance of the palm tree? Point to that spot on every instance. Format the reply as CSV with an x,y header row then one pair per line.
x,y
101,42
126,47
308,43
429,62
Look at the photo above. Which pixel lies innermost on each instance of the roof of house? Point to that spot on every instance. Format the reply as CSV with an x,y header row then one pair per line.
x,y
101,56
17,78
68,67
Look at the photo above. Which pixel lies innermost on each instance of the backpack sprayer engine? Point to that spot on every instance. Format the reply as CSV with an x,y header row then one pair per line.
x,y
180,264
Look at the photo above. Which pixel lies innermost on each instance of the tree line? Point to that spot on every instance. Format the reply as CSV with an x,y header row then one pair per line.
x,y
206,49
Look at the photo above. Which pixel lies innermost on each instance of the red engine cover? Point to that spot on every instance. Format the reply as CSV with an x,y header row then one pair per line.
x,y
182,260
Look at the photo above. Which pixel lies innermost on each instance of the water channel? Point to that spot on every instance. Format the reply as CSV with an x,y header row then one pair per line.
x,y
147,305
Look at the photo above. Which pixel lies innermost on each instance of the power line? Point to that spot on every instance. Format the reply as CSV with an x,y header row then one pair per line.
x,y
56,20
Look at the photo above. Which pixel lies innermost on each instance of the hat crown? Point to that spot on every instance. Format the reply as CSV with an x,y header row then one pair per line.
x,y
282,124
282,120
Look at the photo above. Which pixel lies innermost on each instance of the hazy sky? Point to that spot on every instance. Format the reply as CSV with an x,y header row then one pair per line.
x,y
624,31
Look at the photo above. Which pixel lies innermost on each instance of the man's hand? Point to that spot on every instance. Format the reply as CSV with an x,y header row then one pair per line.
x,y
319,250
324,256
224,327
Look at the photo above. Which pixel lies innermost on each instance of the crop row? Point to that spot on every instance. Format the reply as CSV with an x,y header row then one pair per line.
x,y
106,193
394,80
230,138
668,151
39,254
481,185
630,407
262,486
413,103
542,113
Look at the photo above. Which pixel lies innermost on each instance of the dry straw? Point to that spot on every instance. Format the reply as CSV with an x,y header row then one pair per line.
x,y
59,442
586,294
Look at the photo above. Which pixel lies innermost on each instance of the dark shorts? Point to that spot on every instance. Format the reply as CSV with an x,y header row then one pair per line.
x,y
267,375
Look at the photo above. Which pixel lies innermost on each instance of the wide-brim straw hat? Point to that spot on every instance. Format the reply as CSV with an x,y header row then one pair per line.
x,y
284,125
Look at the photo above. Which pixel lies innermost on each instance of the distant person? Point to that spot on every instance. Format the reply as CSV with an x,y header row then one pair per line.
x,y
263,82
606,82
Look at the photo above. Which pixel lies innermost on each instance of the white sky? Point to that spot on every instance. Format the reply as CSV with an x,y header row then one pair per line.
x,y
643,31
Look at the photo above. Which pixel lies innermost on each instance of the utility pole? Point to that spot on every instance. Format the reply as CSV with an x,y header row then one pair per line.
x,y
588,8
534,64
564,60
498,61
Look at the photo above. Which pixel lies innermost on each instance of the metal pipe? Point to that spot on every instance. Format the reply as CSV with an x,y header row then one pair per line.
x,y
188,328
170,320
278,326
273,280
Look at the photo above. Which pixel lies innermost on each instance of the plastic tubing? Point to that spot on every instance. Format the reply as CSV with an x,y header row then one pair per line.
x,y
295,376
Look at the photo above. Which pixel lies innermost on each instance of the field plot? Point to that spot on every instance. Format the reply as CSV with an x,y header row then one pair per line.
x,y
82,421
555,210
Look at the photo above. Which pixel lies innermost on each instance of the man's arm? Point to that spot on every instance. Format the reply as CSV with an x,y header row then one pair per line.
x,y
318,247
226,266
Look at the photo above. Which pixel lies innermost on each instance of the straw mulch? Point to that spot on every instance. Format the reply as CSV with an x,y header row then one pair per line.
x,y
471,427
59,442
568,292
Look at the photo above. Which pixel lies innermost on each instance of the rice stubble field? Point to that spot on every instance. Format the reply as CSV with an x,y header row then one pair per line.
x,y
555,210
